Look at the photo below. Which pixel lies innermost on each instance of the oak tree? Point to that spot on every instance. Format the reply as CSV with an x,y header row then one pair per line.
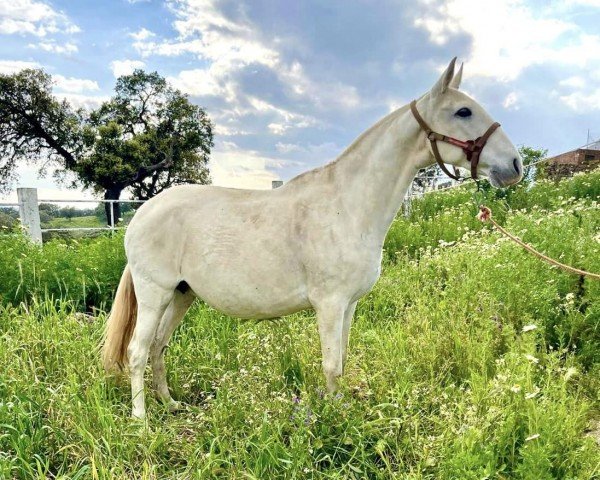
x,y
147,137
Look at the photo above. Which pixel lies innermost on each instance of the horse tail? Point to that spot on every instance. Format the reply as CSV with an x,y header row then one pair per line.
x,y
120,324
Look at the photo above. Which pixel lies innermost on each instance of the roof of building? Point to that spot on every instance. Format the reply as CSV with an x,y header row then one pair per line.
x,y
591,146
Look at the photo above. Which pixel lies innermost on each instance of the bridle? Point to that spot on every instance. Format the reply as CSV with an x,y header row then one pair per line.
x,y
472,148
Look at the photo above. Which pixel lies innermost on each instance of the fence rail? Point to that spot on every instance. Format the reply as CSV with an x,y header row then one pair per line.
x,y
29,213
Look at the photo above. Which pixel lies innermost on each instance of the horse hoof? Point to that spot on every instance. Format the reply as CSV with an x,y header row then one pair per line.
x,y
175,406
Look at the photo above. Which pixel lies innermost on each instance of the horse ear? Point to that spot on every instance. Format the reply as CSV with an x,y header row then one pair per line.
x,y
442,84
455,83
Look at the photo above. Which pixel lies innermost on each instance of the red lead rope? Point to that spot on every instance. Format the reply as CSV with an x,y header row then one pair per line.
x,y
485,215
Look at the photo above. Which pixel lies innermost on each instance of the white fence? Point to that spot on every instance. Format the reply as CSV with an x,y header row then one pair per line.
x,y
29,213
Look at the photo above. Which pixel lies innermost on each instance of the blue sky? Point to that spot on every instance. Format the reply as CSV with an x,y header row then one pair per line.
x,y
290,84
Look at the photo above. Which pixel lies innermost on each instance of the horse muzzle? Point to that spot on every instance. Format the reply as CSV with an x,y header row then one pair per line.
x,y
506,176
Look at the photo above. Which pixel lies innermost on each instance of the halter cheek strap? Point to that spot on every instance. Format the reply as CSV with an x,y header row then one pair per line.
x,y
472,148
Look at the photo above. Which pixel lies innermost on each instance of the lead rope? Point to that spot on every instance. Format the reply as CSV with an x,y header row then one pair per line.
x,y
485,215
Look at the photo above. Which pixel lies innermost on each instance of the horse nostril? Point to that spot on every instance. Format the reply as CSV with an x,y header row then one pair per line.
x,y
516,165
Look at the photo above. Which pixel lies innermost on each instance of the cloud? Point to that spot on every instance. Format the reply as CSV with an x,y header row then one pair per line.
x,y
580,93
52,47
511,101
198,82
239,64
74,85
142,34
583,102
125,67
288,147
78,100
8,67
574,81
33,17
508,35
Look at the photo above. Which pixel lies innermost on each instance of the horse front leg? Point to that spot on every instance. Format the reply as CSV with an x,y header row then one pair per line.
x,y
346,332
330,318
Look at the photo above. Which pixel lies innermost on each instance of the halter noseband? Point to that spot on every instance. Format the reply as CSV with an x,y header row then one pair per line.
x,y
472,148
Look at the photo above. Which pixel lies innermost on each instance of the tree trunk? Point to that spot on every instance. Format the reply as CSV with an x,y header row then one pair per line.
x,y
113,193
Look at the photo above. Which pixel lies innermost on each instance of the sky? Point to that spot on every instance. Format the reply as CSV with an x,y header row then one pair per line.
x,y
290,84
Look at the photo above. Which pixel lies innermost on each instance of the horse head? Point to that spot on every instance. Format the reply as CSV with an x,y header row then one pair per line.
x,y
464,134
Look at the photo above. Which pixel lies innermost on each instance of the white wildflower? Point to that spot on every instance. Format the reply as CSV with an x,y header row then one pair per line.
x,y
532,359
533,394
570,373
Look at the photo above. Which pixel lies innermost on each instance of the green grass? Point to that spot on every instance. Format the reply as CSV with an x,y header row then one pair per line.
x,y
74,222
443,380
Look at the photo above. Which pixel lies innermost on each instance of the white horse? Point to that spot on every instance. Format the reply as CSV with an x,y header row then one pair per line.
x,y
314,243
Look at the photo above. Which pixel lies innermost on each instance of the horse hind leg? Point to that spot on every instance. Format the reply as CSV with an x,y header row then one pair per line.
x,y
172,317
152,303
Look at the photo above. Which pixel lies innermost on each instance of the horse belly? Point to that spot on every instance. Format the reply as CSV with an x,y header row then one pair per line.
x,y
250,281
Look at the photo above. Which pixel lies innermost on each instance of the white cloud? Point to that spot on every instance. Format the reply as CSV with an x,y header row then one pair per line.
x,y
198,82
226,131
227,46
142,34
125,67
585,3
33,17
53,47
288,147
8,67
581,93
508,36
78,100
583,102
74,85
574,81
511,101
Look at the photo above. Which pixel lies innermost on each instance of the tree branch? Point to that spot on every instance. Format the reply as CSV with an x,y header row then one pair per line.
x,y
144,171
38,129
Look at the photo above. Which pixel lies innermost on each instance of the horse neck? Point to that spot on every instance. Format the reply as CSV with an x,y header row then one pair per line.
x,y
377,169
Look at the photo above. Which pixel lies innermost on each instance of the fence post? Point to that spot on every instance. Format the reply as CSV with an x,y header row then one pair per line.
x,y
276,184
30,213
112,216
407,199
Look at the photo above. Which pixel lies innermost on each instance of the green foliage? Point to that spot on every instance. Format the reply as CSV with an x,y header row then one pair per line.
x,y
85,271
445,216
34,124
8,220
530,156
468,360
148,136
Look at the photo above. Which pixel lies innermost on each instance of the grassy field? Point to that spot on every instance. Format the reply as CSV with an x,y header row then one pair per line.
x,y
469,360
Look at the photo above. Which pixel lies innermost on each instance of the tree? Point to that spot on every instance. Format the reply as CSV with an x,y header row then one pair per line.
x,y
530,156
7,220
146,138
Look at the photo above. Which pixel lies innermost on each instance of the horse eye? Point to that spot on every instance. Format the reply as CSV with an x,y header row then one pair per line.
x,y
463,112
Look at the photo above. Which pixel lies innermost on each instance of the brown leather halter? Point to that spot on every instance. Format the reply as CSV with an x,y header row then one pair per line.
x,y
472,148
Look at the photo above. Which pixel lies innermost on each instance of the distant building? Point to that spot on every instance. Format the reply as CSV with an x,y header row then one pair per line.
x,y
583,159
